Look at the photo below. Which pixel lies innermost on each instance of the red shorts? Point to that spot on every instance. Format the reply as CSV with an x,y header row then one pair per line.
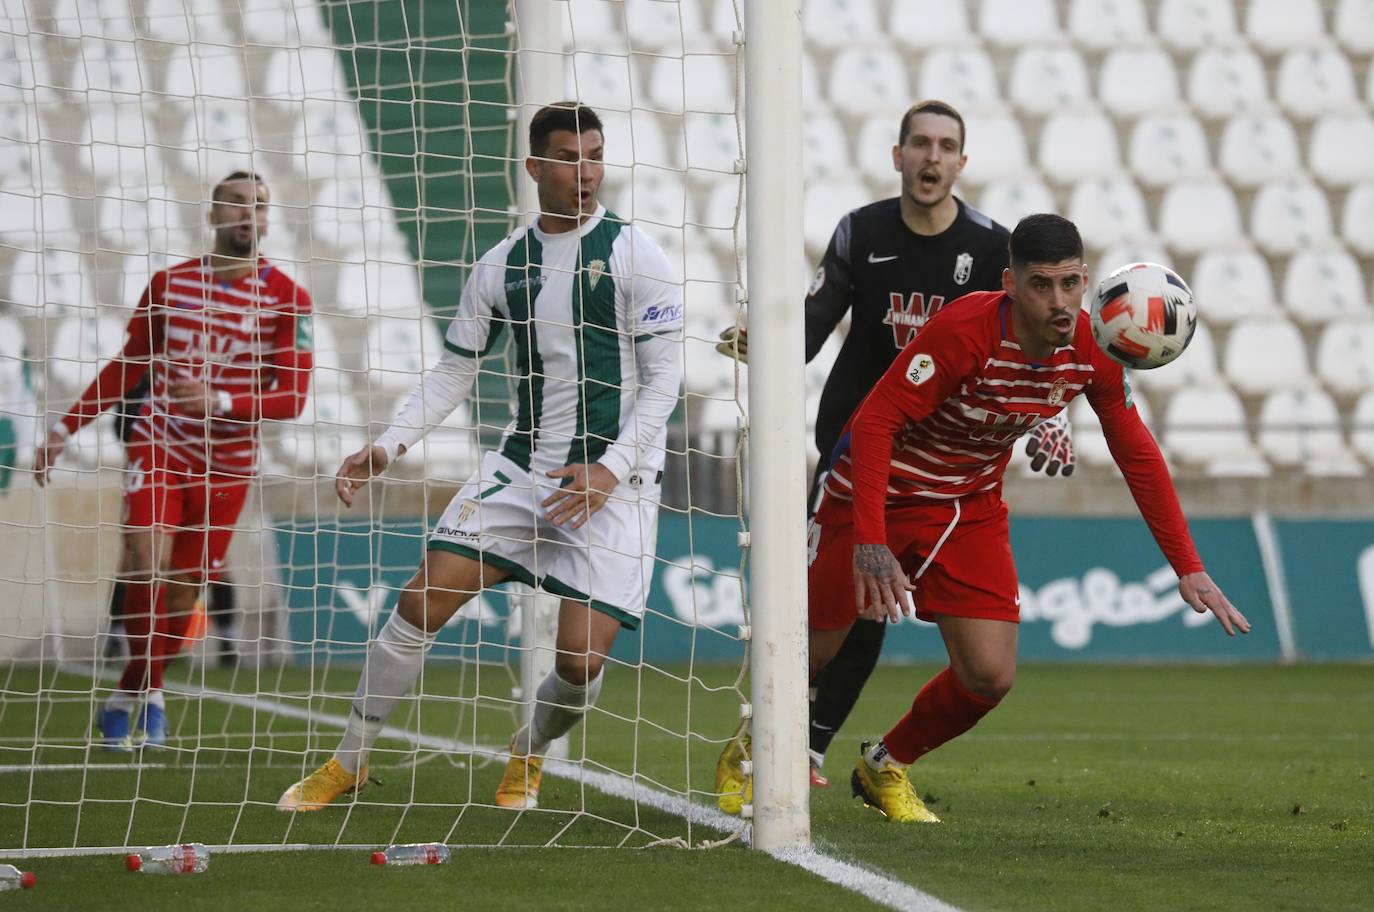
x,y
197,509
969,574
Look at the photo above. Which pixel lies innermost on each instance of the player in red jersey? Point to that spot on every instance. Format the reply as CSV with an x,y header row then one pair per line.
x,y
226,338
913,508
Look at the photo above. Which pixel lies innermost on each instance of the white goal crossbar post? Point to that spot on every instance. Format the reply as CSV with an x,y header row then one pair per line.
x,y
777,425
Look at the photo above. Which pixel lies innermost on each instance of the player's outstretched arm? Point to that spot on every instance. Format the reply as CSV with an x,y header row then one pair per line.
x,y
1203,595
357,470
45,456
881,590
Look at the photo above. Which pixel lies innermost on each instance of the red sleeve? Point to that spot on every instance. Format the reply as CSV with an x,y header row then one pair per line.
x,y
926,373
1136,453
143,337
292,358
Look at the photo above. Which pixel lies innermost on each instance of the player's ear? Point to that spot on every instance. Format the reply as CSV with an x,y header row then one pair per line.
x,y
532,168
1008,282
897,158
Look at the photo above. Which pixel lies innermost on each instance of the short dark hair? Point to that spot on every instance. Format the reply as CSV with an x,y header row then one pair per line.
x,y
235,176
930,106
1044,238
561,115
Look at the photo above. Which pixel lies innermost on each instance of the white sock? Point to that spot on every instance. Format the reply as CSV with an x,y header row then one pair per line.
x,y
393,663
123,701
155,698
558,706
817,758
878,758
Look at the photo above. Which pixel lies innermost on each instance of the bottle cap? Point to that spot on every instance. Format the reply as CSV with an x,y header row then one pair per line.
x,y
379,858
26,880
133,862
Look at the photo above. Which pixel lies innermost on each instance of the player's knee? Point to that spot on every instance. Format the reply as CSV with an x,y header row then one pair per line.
x,y
992,681
578,669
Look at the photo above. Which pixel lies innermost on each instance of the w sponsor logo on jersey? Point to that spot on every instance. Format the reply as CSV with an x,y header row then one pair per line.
x,y
907,315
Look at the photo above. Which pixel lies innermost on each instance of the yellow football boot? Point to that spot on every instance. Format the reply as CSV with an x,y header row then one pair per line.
x,y
519,788
321,787
888,791
734,789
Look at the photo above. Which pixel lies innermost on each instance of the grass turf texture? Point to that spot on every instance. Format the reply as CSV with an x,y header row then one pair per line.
x,y
1091,787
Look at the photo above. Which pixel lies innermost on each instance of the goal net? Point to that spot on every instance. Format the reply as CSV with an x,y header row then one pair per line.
x,y
389,134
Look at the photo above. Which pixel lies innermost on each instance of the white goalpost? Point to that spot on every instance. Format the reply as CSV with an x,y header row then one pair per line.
x,y
391,136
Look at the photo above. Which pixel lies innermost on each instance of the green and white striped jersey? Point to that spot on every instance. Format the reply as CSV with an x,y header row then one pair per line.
x,y
596,320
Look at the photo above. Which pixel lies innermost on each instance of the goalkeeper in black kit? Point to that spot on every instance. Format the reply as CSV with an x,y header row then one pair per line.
x,y
890,266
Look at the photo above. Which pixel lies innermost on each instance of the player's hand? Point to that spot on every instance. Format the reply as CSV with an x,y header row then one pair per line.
x,y
191,397
589,489
734,343
1050,448
357,470
47,455
1203,595
881,590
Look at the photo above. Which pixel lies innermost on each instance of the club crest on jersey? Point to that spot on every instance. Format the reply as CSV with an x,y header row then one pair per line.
x,y
921,369
963,268
1056,396
817,283
595,270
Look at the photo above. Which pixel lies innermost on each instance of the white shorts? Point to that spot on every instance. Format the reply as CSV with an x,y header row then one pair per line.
x,y
497,519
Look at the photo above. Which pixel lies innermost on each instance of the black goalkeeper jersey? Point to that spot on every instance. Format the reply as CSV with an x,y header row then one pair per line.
x,y
892,280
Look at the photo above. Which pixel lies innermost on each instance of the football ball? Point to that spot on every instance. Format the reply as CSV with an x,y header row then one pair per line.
x,y
1143,315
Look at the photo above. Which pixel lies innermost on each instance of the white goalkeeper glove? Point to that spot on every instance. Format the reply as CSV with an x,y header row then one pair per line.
x,y
734,343
1049,447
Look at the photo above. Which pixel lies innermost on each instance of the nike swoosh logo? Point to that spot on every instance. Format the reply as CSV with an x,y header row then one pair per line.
x,y
878,259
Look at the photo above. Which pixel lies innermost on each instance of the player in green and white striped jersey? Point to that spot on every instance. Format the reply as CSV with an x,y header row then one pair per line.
x,y
569,500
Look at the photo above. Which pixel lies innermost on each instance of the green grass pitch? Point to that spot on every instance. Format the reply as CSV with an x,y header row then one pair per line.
x,y
1091,787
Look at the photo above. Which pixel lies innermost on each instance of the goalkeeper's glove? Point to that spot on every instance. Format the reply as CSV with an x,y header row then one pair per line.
x,y
1049,447
734,343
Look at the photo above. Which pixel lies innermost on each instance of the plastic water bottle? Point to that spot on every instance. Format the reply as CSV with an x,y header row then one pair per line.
x,y
191,858
11,878
418,853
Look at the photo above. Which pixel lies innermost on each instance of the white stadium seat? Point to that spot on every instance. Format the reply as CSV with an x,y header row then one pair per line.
x,y
1206,426
1197,368
1048,79
695,82
600,80
1104,24
876,138
1190,25
399,349
1167,148
1357,219
1362,427
1264,356
1000,145
835,24
78,349
657,196
1089,444
50,283
1256,148
1200,215
1353,26
1109,210
1078,144
1345,356
1008,201
713,142
1301,428
964,78
638,138
1315,81
1324,285
593,25
822,206
1136,81
1226,81
1117,255
1018,22
1289,216
869,79
1231,285
1277,25
825,145
1340,150
929,24
668,28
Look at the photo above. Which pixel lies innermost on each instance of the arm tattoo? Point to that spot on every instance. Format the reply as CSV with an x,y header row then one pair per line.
x,y
874,560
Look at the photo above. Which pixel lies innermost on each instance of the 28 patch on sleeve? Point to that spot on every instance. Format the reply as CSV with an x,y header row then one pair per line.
x,y
921,369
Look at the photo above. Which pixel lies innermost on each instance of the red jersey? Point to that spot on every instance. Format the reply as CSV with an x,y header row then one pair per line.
x,y
248,341
942,422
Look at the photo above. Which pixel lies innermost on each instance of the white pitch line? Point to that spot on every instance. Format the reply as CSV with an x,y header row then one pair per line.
x,y
63,767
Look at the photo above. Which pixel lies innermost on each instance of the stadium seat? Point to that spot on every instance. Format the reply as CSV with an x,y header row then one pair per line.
x,y
822,207
965,78
1008,201
1301,428
399,349
1197,368
1191,25
1109,210
102,67
667,28
1362,427
1048,79
16,166
450,450
920,24
1136,81
593,25
1118,255
865,80
1101,25
1199,215
1256,148
1289,216
604,81
1089,444
1167,148
825,145
656,196
695,82
1018,22
1339,153
78,347
1277,25
1265,356
1078,144
1000,147
1353,26
1323,285
639,137
1315,81
1205,426
1231,285
329,427
1357,219
50,283
1345,356
835,24
1224,81
712,142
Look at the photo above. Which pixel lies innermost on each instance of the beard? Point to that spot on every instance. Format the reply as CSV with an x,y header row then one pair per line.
x,y
230,243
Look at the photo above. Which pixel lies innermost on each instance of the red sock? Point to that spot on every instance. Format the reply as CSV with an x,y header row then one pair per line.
x,y
168,640
138,628
944,709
